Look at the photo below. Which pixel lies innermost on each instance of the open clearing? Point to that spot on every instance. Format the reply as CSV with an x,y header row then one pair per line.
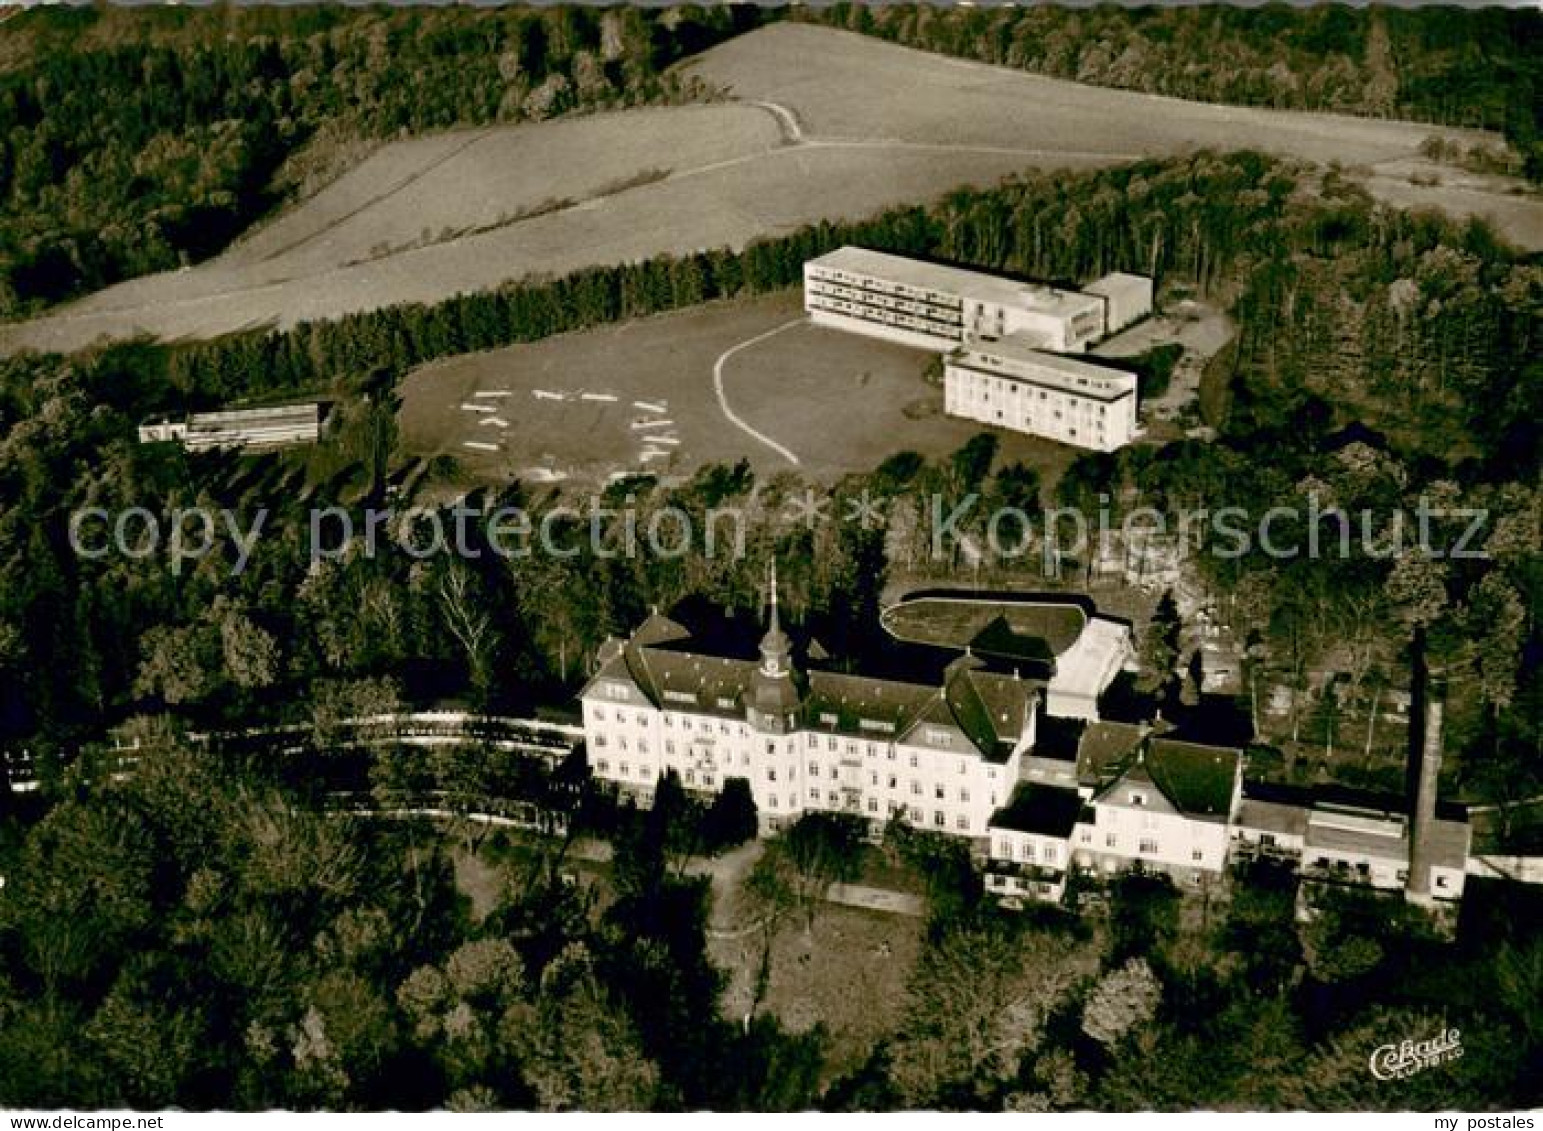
x,y
1201,328
589,405
830,125
848,973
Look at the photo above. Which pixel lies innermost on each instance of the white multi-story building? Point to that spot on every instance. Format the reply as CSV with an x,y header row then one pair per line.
x,y
1029,854
956,744
938,307
939,746
1004,340
1127,299
1123,797
1010,385
1166,809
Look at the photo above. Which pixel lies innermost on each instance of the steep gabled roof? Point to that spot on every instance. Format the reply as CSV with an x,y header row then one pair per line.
x,y
705,661
1199,780
1008,701
850,699
1106,748
969,712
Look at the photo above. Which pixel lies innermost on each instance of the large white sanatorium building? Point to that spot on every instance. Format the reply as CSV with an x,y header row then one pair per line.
x,y
976,744
1003,340
937,740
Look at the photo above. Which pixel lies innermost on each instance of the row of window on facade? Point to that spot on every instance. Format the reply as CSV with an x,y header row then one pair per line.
x,y
883,317
912,813
1028,422
831,798
932,736
1016,388
1146,846
1010,884
882,286
852,749
866,297
1051,855
939,792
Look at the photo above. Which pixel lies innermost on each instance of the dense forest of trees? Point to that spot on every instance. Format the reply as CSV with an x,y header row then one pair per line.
x,y
1448,65
133,141
198,936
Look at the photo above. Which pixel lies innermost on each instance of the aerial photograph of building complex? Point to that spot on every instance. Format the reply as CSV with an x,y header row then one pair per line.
x,y
846,558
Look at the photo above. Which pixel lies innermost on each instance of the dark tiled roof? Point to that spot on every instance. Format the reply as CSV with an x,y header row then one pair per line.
x,y
1008,701
1345,797
1106,748
1277,793
839,701
1197,779
888,695
1272,817
1040,809
714,685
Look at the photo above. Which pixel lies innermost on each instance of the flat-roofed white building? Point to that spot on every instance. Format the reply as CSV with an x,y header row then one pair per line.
x,y
1012,385
934,306
1127,299
240,428
1085,670
1029,853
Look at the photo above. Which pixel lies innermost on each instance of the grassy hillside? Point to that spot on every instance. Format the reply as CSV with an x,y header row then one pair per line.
x,y
134,141
1442,65
138,140
834,127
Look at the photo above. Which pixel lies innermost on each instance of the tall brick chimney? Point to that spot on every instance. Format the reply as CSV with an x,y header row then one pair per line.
x,y
1424,809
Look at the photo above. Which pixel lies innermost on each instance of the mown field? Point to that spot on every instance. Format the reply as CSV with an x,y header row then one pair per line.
x,y
838,402
845,127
